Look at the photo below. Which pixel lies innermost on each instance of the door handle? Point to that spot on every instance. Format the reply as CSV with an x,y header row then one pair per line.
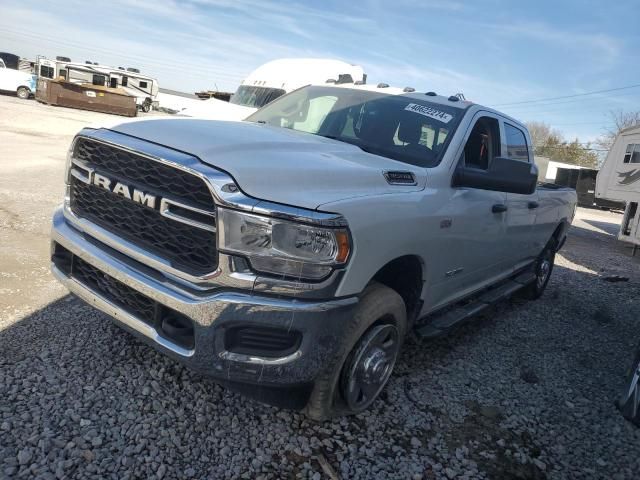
x,y
533,205
499,208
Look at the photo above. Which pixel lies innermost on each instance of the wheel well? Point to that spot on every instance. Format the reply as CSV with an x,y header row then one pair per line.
x,y
558,231
404,275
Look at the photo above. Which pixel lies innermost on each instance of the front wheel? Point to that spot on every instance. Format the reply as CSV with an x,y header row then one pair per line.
x,y
23,93
629,400
363,366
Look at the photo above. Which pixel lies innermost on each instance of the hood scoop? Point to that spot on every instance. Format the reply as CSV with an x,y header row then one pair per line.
x,y
399,177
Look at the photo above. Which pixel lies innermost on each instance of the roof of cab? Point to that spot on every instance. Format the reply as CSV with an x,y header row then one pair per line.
x,y
388,90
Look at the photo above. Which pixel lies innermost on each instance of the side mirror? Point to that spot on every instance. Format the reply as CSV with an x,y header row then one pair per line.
x,y
503,175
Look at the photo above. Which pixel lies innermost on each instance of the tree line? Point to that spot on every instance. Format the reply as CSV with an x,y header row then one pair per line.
x,y
549,142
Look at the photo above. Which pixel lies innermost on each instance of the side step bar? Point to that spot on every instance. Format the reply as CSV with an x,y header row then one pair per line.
x,y
445,322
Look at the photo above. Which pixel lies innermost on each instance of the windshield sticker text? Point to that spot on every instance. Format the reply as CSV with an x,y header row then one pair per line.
x,y
429,112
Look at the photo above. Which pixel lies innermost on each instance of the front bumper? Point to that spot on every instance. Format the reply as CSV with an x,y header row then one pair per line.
x,y
320,323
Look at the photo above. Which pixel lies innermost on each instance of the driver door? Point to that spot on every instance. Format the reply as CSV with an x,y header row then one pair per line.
x,y
473,245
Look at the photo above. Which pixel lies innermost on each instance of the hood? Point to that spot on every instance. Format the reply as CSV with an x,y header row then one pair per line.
x,y
214,109
278,164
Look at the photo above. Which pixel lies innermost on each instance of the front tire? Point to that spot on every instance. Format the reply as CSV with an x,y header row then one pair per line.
x,y
629,401
23,93
373,340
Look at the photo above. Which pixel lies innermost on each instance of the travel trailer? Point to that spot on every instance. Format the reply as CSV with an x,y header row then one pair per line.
x,y
619,179
273,79
131,81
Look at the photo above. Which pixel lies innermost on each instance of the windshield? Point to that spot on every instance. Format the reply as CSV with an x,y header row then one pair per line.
x,y
400,127
255,97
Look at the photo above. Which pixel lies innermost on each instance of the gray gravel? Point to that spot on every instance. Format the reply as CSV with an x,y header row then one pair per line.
x,y
524,392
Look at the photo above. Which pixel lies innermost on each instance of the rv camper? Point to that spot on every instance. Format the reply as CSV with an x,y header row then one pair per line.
x,y
130,81
619,179
273,79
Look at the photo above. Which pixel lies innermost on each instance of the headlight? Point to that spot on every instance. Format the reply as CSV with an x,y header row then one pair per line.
x,y
282,247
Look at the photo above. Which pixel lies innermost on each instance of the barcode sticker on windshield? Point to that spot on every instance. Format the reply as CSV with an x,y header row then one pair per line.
x,y
429,112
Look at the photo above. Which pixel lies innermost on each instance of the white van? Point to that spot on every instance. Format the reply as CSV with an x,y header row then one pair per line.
x,y
619,179
22,83
273,79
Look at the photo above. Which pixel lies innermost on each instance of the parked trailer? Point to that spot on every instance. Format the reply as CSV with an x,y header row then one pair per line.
x,y
619,179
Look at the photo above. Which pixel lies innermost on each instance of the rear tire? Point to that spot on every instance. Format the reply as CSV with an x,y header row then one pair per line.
x,y
23,93
374,337
629,401
543,268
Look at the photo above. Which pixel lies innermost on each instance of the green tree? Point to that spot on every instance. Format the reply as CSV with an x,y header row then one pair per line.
x,y
548,142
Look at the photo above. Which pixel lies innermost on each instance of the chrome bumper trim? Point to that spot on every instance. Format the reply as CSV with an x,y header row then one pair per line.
x,y
255,360
104,305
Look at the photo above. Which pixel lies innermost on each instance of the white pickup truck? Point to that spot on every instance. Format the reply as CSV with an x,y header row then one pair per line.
x,y
23,84
289,255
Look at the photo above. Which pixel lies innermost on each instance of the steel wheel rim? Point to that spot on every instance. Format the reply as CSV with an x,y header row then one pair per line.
x,y
631,401
544,270
370,367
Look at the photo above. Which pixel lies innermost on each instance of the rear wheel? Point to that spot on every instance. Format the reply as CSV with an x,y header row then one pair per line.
x,y
365,363
23,93
629,401
542,269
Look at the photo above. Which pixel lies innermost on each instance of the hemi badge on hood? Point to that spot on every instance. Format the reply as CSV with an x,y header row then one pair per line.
x,y
400,178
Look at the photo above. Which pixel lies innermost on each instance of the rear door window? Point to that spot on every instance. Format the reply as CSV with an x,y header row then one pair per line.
x,y
516,143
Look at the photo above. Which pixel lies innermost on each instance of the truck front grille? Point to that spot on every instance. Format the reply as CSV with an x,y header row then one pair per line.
x,y
141,170
188,248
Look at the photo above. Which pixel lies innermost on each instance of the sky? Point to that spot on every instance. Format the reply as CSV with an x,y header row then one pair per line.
x,y
497,52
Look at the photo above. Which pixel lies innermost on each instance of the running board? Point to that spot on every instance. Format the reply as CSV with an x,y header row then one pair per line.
x,y
441,324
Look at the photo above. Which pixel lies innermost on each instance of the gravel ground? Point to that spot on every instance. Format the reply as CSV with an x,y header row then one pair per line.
x,y
526,391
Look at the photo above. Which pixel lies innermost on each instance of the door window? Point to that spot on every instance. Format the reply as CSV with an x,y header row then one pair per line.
x,y
46,72
516,143
98,80
483,144
632,154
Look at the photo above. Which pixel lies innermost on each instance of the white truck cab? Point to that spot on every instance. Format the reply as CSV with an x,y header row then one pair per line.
x,y
22,83
274,79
